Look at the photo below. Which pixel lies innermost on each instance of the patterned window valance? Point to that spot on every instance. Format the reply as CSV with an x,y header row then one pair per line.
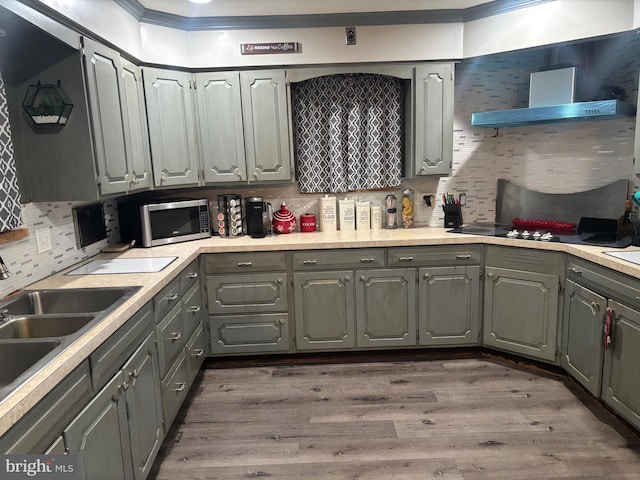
x,y
10,208
348,132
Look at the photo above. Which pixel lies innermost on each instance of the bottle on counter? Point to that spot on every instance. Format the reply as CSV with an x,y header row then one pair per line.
x,y
407,207
391,211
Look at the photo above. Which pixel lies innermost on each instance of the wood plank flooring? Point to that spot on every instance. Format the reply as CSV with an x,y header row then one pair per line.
x,y
464,419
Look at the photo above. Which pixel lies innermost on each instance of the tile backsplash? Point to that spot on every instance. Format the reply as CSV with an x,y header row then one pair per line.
x,y
553,158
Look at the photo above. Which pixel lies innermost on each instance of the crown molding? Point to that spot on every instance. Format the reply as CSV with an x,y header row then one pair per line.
x,y
144,15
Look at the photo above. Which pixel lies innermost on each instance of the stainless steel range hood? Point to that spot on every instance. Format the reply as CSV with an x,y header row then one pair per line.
x,y
551,99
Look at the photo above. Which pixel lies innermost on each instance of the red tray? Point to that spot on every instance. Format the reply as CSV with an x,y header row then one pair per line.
x,y
532,224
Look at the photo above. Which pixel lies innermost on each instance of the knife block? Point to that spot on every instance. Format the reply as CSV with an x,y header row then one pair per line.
x,y
452,216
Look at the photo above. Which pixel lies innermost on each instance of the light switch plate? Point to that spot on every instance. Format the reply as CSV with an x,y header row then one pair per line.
x,y
43,238
350,35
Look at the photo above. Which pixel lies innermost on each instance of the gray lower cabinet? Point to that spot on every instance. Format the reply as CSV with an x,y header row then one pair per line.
x,y
99,435
582,338
449,305
324,310
621,372
119,432
385,307
523,301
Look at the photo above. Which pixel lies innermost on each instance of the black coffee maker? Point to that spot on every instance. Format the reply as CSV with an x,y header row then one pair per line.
x,y
258,217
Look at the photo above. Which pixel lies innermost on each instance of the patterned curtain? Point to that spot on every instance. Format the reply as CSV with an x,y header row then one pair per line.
x,y
348,132
10,208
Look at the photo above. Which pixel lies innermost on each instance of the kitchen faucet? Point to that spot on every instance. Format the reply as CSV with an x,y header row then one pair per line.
x,y
4,271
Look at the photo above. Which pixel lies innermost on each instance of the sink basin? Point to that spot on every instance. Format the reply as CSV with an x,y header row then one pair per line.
x,y
39,326
20,358
72,300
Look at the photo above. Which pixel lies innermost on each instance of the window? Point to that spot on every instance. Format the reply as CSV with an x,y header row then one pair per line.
x,y
348,132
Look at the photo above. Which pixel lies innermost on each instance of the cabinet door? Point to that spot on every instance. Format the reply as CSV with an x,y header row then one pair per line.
x,y
265,115
144,406
221,130
100,437
620,385
107,117
194,351
449,305
324,310
521,312
433,132
386,307
171,338
137,136
171,119
582,335
192,310
260,292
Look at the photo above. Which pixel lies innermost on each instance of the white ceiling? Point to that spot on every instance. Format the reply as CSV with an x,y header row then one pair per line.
x,y
218,8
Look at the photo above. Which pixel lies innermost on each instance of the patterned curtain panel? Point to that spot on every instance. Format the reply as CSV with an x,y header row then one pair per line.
x,y
10,209
348,132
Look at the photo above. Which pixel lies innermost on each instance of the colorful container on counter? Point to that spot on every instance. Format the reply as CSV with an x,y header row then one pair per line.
x,y
408,203
283,220
307,222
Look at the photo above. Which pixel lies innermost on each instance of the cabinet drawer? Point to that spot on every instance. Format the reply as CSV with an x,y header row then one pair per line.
x,y
41,426
170,334
434,256
192,309
262,292
189,276
249,333
347,258
195,353
525,259
244,262
605,281
174,390
107,359
168,298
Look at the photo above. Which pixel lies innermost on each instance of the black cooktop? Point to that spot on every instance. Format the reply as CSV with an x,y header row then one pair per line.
x,y
604,239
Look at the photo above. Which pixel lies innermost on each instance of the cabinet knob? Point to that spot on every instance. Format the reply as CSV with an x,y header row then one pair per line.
x,y
135,373
347,278
490,275
594,308
281,321
280,281
427,275
255,174
363,278
239,173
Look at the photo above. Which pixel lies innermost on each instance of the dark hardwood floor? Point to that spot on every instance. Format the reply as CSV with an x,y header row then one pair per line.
x,y
467,419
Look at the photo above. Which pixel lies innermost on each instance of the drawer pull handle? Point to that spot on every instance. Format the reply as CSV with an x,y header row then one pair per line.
x,y
575,271
637,299
245,264
405,259
197,353
193,309
135,373
309,262
175,336
171,297
191,275
180,386
463,257
67,451
367,260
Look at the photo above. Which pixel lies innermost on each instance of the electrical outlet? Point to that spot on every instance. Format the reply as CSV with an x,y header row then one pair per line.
x,y
350,35
43,238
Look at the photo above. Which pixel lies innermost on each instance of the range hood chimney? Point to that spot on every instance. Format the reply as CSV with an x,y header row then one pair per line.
x,y
555,95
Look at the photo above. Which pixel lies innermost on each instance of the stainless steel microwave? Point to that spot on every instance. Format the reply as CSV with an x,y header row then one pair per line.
x,y
161,223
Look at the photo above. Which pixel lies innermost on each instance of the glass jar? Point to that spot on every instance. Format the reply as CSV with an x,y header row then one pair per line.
x,y
408,203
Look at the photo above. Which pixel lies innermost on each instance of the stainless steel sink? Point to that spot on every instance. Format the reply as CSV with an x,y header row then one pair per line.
x,y
18,358
72,300
37,325
40,326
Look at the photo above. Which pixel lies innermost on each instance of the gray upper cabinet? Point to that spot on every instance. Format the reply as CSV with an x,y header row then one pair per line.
x,y
433,116
119,126
220,126
266,124
172,133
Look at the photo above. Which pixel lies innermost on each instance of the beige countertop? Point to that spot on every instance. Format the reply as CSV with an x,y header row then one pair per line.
x,y
27,395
